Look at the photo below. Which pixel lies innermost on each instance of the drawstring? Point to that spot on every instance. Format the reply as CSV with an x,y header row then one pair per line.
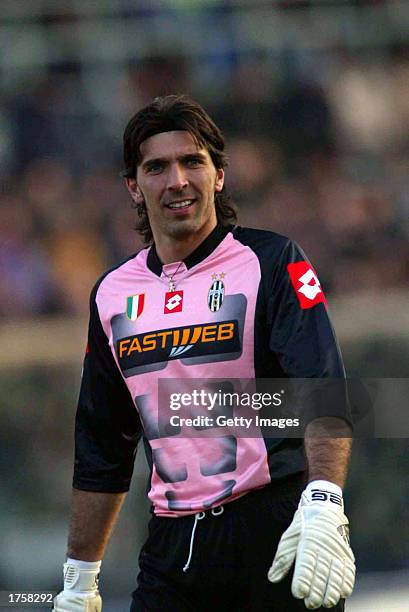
x,y
220,511
198,517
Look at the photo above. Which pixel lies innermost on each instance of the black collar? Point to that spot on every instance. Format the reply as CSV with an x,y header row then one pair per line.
x,y
199,254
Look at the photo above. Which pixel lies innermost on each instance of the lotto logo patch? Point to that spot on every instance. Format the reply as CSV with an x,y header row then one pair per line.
x,y
306,284
173,302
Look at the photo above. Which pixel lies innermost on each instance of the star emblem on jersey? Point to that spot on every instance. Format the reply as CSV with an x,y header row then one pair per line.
x,y
173,302
306,284
216,292
134,306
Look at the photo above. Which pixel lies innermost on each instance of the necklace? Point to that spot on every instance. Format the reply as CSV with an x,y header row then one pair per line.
x,y
170,277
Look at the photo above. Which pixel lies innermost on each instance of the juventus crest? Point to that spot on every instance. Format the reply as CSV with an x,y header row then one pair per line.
x,y
215,296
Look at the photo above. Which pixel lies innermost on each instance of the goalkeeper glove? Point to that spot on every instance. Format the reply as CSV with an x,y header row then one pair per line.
x,y
318,540
80,592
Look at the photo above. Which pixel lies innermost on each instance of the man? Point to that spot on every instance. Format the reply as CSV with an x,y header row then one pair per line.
x,y
206,300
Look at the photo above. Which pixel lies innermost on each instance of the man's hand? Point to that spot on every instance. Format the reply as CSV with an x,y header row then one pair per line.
x,y
80,592
318,541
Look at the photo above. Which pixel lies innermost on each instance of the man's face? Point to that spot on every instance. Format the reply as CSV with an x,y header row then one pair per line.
x,y
177,181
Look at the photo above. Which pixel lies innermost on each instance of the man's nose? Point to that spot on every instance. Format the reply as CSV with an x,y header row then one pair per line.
x,y
177,178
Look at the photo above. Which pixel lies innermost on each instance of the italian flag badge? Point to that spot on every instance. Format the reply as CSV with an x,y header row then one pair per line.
x,y
134,306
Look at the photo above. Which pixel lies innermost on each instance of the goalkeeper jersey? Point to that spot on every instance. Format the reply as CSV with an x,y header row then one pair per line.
x,y
245,304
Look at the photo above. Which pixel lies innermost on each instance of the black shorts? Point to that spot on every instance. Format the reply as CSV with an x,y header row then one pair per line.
x,y
231,555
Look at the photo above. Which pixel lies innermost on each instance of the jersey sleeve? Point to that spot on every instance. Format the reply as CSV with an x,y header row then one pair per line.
x,y
302,337
107,426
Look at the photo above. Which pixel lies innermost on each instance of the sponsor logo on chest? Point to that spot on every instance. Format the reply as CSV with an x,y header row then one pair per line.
x,y
167,344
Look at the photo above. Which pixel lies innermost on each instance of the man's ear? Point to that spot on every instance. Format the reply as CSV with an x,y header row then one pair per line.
x,y
219,180
134,190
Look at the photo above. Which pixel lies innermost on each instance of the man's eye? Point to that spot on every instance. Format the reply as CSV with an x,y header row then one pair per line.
x,y
193,162
154,168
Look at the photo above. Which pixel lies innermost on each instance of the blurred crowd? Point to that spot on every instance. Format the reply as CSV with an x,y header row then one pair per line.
x,y
318,148
315,114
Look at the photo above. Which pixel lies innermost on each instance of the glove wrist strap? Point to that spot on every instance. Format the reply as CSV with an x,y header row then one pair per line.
x,y
81,576
323,491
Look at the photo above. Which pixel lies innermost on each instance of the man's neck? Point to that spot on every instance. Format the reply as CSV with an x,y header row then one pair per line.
x,y
170,250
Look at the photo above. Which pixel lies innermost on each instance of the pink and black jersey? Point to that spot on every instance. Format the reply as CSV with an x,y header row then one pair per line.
x,y
247,304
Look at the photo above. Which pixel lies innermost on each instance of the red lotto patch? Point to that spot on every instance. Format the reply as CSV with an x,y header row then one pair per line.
x,y
306,284
173,301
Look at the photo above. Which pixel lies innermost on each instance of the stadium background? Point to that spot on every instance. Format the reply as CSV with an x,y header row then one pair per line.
x,y
313,97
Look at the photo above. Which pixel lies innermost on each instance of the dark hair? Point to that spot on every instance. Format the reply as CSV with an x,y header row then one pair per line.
x,y
165,114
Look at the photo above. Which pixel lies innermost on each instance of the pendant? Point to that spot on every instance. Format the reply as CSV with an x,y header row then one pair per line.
x,y
172,285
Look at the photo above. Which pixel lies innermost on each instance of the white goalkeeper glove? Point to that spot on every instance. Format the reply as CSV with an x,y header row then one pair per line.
x,y
80,592
318,541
